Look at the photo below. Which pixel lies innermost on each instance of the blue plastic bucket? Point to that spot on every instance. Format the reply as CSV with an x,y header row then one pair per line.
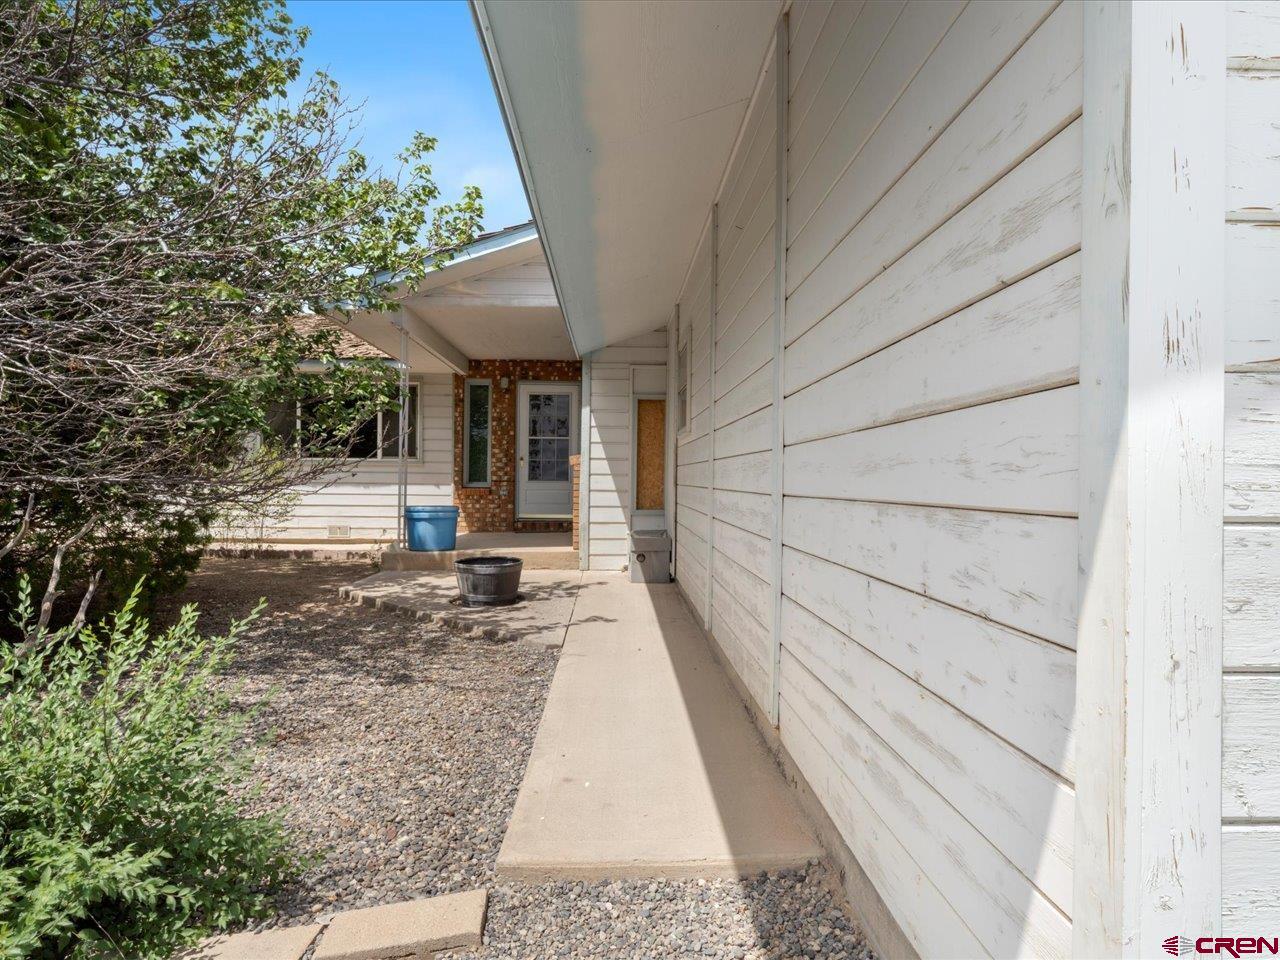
x,y
431,528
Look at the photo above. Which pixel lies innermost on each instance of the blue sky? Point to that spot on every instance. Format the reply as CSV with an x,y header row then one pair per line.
x,y
417,65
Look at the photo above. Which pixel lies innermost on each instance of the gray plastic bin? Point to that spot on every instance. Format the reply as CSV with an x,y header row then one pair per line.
x,y
650,556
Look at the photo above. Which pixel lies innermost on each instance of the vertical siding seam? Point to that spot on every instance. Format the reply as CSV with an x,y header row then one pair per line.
x,y
782,96
711,412
671,447
584,470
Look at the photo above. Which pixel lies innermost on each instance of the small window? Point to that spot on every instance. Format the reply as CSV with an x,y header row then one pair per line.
x,y
682,386
477,415
390,430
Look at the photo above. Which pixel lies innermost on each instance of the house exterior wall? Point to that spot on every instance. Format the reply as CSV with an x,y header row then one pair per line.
x,y
1251,544
492,508
616,373
924,616
361,498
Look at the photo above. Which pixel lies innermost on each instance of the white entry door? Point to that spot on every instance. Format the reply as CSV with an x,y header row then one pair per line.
x,y
546,436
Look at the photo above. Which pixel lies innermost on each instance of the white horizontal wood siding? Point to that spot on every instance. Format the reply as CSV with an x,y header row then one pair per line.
x,y
362,497
611,444
1251,544
740,500
926,594
930,429
692,443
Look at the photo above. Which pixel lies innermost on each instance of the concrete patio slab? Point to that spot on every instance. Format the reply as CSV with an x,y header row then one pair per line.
x,y
539,551
415,928
289,943
646,763
540,619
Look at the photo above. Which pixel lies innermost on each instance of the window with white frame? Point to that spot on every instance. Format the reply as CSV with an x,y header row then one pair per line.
x,y
377,438
477,433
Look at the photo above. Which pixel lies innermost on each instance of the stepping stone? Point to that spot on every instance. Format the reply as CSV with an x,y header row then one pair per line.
x,y
415,928
289,943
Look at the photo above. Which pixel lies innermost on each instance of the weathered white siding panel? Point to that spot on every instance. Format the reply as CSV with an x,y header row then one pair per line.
x,y
1012,568
1020,687
1253,446
1017,454
1253,292
930,471
1008,914
927,369
1251,542
1250,877
1030,100
1026,221
1251,596
1250,747
1018,805
741,434
1023,339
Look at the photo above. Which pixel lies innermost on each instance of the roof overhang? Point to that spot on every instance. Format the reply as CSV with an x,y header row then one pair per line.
x,y
494,300
623,117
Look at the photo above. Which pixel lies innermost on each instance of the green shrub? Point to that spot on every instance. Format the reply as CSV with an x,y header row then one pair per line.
x,y
121,834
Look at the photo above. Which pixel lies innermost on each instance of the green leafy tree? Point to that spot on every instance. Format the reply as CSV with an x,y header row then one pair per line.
x,y
167,211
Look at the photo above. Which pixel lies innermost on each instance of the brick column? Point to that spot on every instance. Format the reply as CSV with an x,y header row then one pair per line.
x,y
574,465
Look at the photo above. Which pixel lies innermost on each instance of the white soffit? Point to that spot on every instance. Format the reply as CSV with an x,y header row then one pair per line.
x,y
493,301
624,115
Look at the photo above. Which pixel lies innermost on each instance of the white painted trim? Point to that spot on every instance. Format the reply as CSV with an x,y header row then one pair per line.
x,y
466,420
402,439
584,470
514,301
711,413
782,53
669,494
1148,698
489,44
635,440
431,339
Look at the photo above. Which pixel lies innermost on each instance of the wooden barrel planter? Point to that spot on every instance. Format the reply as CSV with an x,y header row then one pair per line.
x,y
488,581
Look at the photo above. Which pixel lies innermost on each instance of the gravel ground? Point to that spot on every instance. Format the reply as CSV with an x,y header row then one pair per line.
x,y
395,753
393,750
788,915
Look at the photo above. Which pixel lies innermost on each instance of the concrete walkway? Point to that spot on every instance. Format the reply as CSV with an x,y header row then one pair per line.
x,y
646,763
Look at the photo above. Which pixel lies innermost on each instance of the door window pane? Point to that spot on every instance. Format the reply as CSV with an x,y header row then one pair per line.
x,y
550,430
548,415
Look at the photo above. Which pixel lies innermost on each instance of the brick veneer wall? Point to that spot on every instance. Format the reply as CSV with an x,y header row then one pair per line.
x,y
492,509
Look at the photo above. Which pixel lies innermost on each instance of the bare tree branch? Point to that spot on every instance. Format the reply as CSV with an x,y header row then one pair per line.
x,y
83,613
36,633
23,527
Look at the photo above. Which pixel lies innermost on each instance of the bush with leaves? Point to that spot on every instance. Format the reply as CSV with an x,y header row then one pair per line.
x,y
122,831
